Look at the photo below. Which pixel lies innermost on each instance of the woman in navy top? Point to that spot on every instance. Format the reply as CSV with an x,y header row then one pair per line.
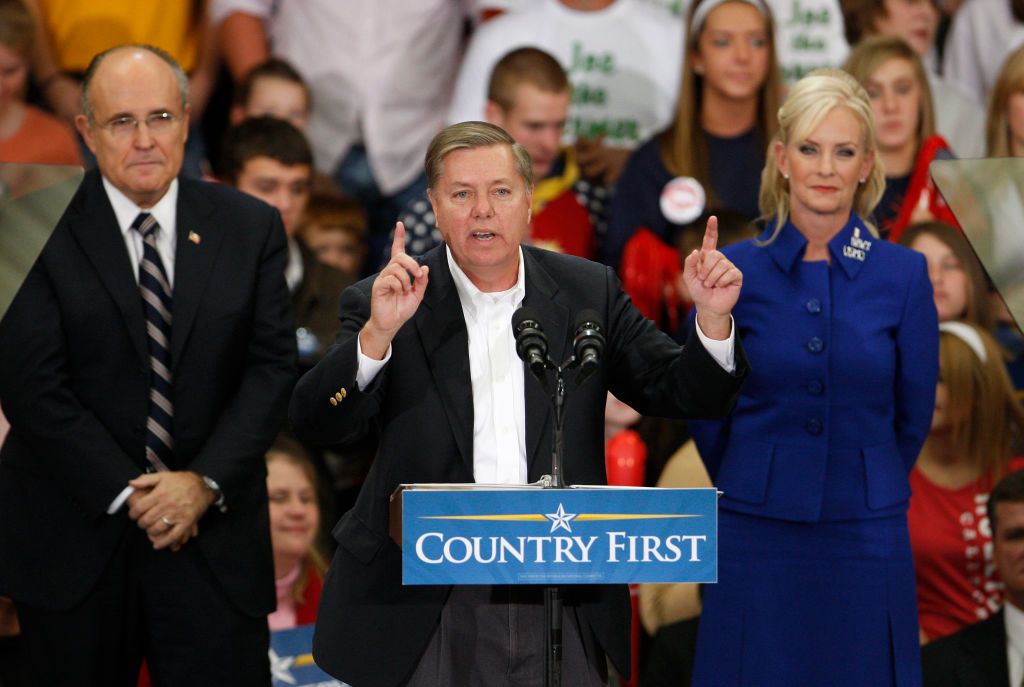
x,y
725,117
816,579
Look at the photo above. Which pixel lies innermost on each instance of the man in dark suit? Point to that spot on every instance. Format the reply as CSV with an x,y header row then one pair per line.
x,y
990,653
145,366
426,353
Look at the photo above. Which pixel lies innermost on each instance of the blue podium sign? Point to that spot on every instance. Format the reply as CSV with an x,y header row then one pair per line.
x,y
291,660
580,535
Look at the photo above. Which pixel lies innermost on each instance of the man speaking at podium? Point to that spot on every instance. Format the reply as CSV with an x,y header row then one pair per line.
x,y
426,354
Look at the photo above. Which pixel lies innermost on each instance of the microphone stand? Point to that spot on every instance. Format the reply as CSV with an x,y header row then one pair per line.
x,y
553,593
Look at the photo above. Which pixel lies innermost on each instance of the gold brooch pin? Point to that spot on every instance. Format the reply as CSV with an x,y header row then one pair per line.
x,y
194,237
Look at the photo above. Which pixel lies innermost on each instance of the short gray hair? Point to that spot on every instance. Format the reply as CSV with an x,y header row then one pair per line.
x,y
467,135
90,72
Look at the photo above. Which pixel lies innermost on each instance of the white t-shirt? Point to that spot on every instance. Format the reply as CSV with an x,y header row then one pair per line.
x,y
808,34
380,72
982,35
624,63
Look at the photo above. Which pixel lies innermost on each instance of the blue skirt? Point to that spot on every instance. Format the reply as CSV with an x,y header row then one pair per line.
x,y
810,604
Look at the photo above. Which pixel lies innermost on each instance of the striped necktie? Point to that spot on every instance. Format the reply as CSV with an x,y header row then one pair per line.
x,y
156,302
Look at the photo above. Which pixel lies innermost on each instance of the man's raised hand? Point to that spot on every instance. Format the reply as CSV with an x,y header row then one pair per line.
x,y
394,297
714,284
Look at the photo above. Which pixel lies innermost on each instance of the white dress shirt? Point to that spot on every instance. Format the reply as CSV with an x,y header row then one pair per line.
x,y
166,213
1013,617
380,71
499,406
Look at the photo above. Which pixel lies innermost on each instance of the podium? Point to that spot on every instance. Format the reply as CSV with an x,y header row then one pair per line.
x,y
501,534
476,534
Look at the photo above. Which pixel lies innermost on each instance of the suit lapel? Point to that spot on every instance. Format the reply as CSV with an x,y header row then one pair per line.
x,y
97,232
198,240
990,651
541,290
442,329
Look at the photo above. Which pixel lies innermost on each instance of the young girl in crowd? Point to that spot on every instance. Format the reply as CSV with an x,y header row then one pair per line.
x,y
294,523
1004,128
27,134
724,120
896,82
976,428
958,281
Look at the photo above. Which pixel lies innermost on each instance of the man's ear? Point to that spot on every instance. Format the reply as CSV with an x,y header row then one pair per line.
x,y
82,124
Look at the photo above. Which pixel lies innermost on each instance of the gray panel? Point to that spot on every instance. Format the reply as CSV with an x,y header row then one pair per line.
x,y
32,199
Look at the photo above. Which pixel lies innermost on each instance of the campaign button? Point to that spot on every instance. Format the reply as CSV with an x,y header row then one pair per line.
x,y
682,200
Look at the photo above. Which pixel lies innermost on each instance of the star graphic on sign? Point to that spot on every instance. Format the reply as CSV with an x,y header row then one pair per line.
x,y
279,668
560,519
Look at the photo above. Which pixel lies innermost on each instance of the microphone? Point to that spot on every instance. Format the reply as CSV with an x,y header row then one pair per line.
x,y
588,342
531,343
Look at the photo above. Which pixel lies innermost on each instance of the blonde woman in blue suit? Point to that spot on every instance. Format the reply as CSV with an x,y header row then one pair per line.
x,y
816,579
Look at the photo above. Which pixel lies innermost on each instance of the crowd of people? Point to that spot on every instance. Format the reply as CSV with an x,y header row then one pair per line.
x,y
859,462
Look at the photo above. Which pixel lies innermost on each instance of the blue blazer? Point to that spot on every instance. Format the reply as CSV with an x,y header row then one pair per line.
x,y
844,361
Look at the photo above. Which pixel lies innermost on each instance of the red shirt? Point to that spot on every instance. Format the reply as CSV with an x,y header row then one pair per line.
x,y
957,584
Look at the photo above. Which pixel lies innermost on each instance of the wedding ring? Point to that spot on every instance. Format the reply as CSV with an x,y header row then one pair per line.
x,y
167,521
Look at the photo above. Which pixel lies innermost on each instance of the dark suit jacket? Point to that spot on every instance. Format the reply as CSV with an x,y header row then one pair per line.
x,y
973,657
316,302
372,630
74,379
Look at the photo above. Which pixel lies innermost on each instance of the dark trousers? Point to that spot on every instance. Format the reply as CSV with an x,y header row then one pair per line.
x,y
163,606
494,637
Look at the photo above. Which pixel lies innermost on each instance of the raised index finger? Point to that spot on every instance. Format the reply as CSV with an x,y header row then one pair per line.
x,y
710,235
398,246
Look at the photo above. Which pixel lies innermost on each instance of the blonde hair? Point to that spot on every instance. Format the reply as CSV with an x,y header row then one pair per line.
x,y
683,148
808,103
868,57
984,415
997,123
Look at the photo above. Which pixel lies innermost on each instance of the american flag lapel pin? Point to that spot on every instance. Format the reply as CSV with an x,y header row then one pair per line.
x,y
194,237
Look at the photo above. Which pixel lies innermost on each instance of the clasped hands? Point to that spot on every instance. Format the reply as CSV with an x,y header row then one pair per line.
x,y
714,284
168,505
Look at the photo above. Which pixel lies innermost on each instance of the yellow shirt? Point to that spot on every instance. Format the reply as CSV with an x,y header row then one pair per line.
x,y
79,29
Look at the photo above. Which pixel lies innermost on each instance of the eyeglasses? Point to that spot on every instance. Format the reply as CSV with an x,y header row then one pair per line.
x,y
126,126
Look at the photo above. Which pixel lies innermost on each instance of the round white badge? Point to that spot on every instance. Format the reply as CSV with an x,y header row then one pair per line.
x,y
682,200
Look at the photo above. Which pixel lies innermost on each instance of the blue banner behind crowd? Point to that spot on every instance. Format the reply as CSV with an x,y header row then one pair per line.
x,y
559,536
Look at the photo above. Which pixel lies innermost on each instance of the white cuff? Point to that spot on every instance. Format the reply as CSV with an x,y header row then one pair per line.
x,y
116,504
723,351
368,368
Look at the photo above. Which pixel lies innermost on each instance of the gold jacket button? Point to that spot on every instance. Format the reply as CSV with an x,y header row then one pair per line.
x,y
333,401
339,397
